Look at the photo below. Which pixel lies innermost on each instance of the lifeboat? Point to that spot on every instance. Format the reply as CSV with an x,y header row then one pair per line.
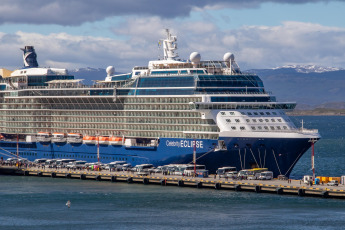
x,y
43,137
89,140
103,140
115,140
58,137
74,138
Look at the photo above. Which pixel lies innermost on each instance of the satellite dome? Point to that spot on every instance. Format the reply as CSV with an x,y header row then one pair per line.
x,y
110,70
228,56
195,57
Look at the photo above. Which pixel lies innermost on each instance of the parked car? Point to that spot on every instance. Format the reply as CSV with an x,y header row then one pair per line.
x,y
333,183
76,165
223,171
232,175
267,175
40,161
126,167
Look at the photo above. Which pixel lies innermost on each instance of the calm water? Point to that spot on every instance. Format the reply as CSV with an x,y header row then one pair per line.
x,y
39,203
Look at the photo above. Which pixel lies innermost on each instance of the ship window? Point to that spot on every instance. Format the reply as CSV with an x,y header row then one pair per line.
x,y
266,127
247,120
254,120
274,113
237,120
233,127
228,120
284,127
256,113
273,120
253,128
280,120
266,120
262,113
272,127
249,113
232,113
278,127
261,120
243,113
268,113
242,128
259,127
223,113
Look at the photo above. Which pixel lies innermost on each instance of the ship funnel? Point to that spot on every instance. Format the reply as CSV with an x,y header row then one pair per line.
x,y
29,57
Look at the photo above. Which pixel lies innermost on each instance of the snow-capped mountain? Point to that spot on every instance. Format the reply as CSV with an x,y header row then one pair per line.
x,y
309,68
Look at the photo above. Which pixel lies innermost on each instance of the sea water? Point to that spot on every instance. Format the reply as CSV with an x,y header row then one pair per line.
x,y
40,203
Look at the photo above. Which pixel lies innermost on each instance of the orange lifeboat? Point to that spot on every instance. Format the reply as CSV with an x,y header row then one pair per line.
x,y
74,138
89,140
103,140
115,140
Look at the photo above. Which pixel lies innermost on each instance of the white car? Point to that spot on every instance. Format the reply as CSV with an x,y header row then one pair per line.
x,y
267,175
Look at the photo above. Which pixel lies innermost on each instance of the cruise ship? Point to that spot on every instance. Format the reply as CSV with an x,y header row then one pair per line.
x,y
167,112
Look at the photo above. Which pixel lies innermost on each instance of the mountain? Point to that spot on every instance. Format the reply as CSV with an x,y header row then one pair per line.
x,y
309,86
309,68
89,74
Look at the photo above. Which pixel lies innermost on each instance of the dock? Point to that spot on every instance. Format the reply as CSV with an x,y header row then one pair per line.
x,y
280,187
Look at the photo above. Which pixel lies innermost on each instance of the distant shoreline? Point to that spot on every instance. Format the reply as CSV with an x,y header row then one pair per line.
x,y
318,112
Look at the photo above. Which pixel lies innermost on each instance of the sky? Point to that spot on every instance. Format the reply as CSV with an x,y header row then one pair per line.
x,y
99,33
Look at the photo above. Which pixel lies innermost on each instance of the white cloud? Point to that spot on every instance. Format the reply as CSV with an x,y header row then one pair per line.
x,y
254,46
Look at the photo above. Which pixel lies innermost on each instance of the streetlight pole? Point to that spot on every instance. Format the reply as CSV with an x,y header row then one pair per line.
x,y
312,156
194,157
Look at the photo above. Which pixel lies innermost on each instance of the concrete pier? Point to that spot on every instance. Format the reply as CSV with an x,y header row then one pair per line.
x,y
280,187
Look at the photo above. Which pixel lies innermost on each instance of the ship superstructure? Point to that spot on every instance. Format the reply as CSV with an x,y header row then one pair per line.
x,y
154,114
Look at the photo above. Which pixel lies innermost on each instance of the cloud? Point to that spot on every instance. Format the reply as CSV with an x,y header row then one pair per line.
x,y
253,46
77,12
